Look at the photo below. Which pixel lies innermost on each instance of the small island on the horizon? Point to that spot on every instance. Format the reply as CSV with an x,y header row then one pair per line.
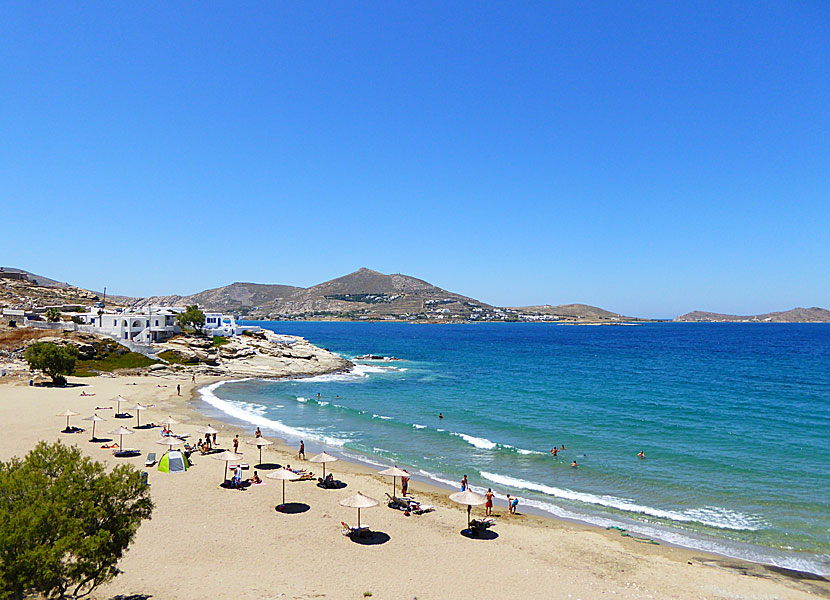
x,y
364,295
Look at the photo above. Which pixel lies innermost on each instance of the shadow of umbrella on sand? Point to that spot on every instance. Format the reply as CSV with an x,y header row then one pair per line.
x,y
67,413
227,456
469,498
118,400
94,418
260,442
359,501
284,475
323,457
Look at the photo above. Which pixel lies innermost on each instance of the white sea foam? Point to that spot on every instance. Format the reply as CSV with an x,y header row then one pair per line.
x,y
721,518
301,399
416,426
247,412
323,403
482,443
384,417
520,450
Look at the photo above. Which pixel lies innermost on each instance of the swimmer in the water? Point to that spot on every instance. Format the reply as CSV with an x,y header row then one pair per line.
x,y
573,465
554,451
440,415
641,455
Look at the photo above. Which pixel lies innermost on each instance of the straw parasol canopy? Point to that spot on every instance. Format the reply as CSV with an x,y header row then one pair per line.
x,y
227,456
121,432
138,408
359,501
323,457
284,475
469,498
394,472
260,442
207,429
118,400
67,413
170,441
94,418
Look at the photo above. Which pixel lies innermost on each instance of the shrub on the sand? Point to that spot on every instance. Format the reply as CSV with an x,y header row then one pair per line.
x,y
65,522
56,361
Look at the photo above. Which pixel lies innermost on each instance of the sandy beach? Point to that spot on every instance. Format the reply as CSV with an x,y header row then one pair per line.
x,y
206,541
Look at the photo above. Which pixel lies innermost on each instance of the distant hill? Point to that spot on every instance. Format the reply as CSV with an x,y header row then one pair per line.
x,y
23,290
574,311
796,315
363,294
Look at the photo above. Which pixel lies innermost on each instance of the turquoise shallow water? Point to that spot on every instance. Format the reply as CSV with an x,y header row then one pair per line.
x,y
734,420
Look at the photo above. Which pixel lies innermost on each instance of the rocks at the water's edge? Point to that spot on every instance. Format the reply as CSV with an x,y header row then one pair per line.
x,y
257,355
375,357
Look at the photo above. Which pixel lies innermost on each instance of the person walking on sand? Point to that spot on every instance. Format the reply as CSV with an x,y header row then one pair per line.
x,y
301,451
258,433
214,436
193,378
488,505
235,444
404,484
464,483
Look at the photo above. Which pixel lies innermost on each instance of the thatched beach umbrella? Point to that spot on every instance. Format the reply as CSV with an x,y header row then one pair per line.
x,y
469,498
67,413
170,441
227,456
118,400
359,501
169,421
121,432
94,418
138,408
323,457
284,475
394,472
260,442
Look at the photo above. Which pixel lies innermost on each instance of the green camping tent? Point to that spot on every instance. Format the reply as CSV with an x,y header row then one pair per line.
x,y
173,462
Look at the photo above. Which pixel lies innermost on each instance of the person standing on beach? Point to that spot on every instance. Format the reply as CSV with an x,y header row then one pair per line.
x,y
178,389
464,483
193,378
404,484
235,444
301,451
258,433
488,505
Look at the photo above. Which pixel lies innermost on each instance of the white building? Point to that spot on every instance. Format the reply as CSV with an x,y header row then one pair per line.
x,y
226,325
143,325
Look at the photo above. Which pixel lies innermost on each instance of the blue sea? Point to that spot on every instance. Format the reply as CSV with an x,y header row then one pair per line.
x,y
733,419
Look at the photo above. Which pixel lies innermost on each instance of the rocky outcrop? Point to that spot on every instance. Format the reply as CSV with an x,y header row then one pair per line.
x,y
255,355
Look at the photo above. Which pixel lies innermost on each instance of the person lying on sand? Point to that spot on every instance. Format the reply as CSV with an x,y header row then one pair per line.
x,y
103,408
85,394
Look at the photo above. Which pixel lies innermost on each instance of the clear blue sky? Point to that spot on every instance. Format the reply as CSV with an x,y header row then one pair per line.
x,y
641,156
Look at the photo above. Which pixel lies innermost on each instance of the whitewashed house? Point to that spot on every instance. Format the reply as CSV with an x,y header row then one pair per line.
x,y
142,325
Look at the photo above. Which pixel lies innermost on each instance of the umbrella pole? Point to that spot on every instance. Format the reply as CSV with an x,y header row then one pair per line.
x,y
137,419
283,492
260,456
358,521
93,430
324,472
226,471
393,485
469,508
67,423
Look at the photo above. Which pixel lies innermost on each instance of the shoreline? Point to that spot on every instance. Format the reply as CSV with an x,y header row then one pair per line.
x,y
533,556
438,489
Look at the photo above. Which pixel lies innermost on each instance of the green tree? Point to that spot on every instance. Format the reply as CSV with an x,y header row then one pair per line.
x,y
65,522
192,317
56,361
53,315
